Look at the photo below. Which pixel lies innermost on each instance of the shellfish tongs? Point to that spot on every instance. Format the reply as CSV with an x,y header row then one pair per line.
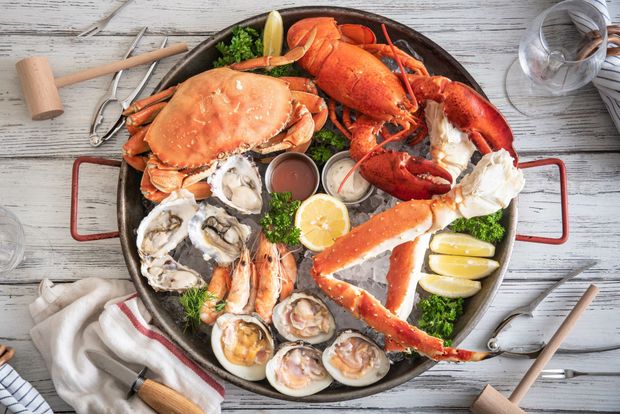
x,y
111,96
528,310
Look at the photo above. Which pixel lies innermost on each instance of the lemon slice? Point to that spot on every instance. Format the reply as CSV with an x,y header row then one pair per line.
x,y
462,266
462,245
321,219
272,35
450,287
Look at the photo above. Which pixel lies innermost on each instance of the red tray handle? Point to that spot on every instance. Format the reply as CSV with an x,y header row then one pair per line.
x,y
564,200
75,179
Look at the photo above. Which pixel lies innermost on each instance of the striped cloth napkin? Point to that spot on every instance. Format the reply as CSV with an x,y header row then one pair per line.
x,y
18,396
108,316
608,79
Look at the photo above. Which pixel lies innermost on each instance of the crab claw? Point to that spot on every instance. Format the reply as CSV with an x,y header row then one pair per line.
x,y
405,176
468,111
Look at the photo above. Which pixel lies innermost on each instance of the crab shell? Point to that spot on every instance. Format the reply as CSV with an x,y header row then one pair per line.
x,y
218,113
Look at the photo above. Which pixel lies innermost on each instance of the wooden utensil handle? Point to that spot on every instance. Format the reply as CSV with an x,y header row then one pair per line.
x,y
553,345
121,64
166,400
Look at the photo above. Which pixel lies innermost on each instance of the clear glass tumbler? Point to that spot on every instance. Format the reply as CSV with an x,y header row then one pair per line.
x,y
550,65
11,241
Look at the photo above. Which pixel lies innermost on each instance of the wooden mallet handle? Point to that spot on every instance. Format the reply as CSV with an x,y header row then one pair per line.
x,y
553,345
121,64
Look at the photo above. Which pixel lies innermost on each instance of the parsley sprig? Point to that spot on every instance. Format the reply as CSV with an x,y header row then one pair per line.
x,y
246,43
277,223
486,228
325,144
439,315
192,300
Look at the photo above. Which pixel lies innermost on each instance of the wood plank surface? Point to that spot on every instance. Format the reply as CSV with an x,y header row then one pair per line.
x,y
35,173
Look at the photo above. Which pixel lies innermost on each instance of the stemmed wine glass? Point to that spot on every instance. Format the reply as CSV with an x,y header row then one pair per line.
x,y
11,241
551,64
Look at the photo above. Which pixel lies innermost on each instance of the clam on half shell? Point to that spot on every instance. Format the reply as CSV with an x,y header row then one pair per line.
x,y
217,234
304,317
297,370
236,182
242,344
355,360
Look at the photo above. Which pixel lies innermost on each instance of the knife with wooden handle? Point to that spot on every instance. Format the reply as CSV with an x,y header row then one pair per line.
x,y
160,398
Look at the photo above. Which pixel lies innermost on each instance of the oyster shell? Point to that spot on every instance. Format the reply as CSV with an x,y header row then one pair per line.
x,y
166,274
166,225
242,344
237,183
303,316
217,234
355,360
297,370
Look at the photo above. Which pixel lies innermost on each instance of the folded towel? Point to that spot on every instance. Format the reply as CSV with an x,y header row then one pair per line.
x,y
107,315
18,395
608,79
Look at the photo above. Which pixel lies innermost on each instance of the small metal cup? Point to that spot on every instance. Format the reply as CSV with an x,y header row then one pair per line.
x,y
287,155
330,162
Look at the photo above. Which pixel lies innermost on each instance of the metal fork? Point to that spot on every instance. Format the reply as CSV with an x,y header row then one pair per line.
x,y
569,373
100,24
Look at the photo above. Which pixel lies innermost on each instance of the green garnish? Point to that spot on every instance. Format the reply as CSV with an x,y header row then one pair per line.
x,y
192,300
320,154
486,228
277,223
438,315
326,143
246,43
284,70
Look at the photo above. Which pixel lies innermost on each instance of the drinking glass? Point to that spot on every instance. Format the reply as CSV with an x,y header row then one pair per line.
x,y
549,66
11,241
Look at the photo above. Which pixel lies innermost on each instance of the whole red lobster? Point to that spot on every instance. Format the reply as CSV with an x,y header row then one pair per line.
x,y
344,59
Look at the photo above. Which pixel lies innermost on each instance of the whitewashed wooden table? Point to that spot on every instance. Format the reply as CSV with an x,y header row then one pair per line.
x,y
483,35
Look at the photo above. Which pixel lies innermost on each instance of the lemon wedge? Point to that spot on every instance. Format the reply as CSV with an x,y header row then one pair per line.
x,y
462,245
272,35
461,266
321,219
450,287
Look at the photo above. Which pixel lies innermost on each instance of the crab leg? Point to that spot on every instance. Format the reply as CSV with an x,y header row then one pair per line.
x,y
150,100
136,144
402,278
146,115
299,83
218,287
315,104
268,271
291,56
491,186
149,191
296,135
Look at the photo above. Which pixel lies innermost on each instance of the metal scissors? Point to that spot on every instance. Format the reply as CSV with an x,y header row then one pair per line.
x,y
110,96
534,351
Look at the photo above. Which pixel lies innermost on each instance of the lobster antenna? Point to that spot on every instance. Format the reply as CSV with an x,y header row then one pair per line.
x,y
398,61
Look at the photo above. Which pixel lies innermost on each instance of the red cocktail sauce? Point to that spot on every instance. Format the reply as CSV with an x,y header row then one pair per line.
x,y
296,176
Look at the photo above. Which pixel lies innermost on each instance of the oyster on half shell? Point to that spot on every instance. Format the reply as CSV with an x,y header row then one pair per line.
x,y
166,225
166,274
237,183
217,234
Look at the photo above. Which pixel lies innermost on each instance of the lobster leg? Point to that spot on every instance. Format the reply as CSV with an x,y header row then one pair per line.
x,y
218,287
334,118
408,61
291,56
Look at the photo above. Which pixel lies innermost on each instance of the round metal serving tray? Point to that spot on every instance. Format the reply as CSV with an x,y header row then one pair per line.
x,y
131,210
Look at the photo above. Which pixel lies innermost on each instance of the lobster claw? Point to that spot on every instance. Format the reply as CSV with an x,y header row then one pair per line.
x,y
404,176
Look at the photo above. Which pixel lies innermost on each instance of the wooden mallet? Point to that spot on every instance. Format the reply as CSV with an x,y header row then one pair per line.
x,y
491,401
41,88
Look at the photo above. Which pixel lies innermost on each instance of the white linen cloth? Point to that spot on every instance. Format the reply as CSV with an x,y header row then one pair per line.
x,y
107,315
607,80
18,396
